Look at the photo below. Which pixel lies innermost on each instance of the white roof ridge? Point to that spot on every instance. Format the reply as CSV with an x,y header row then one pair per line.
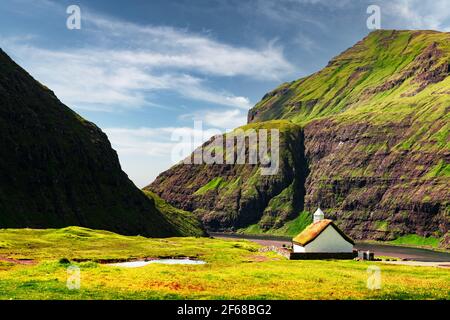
x,y
319,212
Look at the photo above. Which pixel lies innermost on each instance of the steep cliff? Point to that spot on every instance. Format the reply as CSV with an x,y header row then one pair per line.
x,y
228,197
57,169
374,136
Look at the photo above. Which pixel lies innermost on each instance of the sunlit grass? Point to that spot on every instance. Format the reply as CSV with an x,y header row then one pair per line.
x,y
234,270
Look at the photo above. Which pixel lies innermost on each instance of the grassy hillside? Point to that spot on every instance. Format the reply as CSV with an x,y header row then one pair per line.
x,y
234,270
417,241
388,76
366,139
235,196
184,222
377,123
289,229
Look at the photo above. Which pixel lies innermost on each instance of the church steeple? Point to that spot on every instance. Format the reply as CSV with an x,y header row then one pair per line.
x,y
318,215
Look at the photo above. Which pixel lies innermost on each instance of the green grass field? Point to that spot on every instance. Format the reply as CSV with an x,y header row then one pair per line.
x,y
234,270
416,241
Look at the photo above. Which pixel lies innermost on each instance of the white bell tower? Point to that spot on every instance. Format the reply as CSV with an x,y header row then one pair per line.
x,y
318,215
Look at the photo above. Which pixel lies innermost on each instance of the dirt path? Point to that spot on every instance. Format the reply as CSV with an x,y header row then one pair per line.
x,y
17,261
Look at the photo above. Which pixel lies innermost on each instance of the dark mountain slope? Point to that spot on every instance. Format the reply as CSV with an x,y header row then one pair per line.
x,y
57,169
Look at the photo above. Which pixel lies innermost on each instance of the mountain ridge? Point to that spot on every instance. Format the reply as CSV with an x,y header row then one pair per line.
x,y
374,125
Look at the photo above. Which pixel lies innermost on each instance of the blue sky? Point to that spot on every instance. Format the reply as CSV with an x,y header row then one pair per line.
x,y
142,70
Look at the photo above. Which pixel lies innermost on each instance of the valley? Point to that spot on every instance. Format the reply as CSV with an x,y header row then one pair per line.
x,y
234,269
366,139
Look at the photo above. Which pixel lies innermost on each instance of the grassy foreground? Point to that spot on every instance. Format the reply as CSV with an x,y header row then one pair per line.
x,y
234,270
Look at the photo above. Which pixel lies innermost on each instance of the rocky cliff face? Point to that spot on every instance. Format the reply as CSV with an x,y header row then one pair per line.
x,y
372,144
374,188
228,197
57,169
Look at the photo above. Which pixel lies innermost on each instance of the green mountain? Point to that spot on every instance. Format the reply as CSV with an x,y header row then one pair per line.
x,y
366,138
389,75
57,169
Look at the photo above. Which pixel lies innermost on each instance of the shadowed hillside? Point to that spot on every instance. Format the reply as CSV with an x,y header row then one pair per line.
x,y
57,169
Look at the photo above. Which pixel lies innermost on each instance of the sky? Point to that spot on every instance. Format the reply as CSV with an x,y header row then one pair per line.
x,y
149,72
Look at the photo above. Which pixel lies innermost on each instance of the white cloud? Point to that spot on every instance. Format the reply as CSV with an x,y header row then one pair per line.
x,y
180,49
145,152
84,79
123,63
398,14
142,141
158,142
292,12
418,14
228,119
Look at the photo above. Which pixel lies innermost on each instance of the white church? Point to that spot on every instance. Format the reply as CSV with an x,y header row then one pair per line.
x,y
322,236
